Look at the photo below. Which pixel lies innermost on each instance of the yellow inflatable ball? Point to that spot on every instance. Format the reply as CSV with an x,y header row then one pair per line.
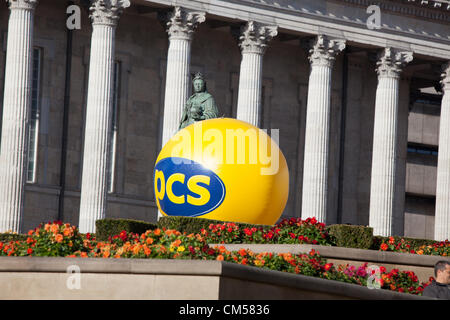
x,y
223,169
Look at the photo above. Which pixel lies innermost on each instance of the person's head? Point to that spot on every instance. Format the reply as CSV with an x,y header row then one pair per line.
x,y
442,272
199,83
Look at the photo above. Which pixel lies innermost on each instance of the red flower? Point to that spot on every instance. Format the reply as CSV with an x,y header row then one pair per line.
x,y
382,269
29,251
328,266
384,246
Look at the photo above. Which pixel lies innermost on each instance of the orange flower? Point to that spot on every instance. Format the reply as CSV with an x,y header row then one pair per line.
x,y
67,232
59,237
157,232
222,249
136,249
219,257
83,255
30,233
149,240
242,252
147,251
47,227
54,228
176,243
106,254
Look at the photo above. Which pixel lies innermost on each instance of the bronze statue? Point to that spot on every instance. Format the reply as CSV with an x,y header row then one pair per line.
x,y
200,106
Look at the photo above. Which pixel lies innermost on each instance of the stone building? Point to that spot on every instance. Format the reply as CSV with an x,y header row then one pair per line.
x,y
360,93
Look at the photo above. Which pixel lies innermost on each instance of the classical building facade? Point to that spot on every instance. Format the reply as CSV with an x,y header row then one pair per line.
x,y
360,91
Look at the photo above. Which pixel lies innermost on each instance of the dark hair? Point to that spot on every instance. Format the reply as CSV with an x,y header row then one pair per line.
x,y
440,265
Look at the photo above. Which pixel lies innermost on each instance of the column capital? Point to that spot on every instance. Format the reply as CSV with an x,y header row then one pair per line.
x,y
183,22
255,37
445,76
22,4
391,62
323,50
107,12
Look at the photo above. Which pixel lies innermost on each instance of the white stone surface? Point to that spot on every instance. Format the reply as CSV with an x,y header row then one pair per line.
x,y
104,15
382,191
253,43
315,168
16,108
442,215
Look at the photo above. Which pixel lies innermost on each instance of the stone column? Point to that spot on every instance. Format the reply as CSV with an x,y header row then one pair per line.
x,y
384,155
16,108
181,26
104,15
253,43
442,215
315,168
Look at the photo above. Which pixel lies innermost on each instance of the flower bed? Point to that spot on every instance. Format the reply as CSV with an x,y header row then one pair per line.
x,y
64,240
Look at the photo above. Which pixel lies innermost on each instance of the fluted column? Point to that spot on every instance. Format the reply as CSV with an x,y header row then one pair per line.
x,y
104,15
442,215
315,173
384,155
180,27
253,43
16,108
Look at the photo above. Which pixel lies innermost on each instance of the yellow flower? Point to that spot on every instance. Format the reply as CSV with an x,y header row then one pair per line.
x,y
181,249
172,249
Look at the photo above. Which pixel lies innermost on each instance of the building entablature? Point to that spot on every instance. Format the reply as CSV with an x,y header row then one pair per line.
x,y
408,25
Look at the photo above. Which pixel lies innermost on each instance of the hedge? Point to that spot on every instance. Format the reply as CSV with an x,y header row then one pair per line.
x,y
413,242
349,236
7,237
195,225
106,228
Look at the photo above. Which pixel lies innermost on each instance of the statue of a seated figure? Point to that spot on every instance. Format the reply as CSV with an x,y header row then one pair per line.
x,y
200,106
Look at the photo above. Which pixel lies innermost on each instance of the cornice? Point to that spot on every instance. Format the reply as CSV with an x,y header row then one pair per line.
x,y
429,9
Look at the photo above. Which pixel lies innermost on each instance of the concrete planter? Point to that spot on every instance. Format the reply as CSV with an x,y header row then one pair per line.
x,y
421,265
47,278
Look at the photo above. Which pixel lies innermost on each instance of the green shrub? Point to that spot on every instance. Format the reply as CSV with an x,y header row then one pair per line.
x,y
7,237
106,228
195,225
349,236
413,242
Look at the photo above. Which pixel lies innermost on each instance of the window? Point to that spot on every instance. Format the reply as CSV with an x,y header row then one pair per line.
x,y
422,149
33,126
114,127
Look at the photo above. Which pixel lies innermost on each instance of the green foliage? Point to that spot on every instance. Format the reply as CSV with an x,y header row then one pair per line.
x,y
195,225
7,237
106,228
350,236
403,244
